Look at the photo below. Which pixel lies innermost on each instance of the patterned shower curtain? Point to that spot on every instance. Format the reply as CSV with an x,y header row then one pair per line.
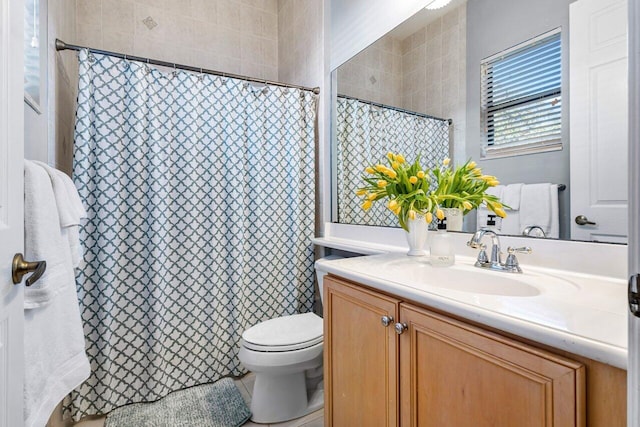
x,y
201,200
365,134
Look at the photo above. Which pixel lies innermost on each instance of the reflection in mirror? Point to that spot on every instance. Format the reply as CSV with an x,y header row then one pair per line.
x,y
431,67
366,131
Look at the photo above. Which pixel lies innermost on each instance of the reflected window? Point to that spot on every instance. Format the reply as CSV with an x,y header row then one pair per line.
x,y
32,53
522,98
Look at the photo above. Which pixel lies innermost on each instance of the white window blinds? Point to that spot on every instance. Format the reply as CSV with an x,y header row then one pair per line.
x,y
521,98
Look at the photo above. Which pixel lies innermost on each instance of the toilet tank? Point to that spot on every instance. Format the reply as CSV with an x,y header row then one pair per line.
x,y
320,274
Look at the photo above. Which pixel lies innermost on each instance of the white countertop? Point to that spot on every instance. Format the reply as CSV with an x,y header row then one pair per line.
x,y
581,313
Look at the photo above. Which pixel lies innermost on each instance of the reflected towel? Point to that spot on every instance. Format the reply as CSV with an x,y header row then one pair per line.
x,y
482,213
511,197
536,208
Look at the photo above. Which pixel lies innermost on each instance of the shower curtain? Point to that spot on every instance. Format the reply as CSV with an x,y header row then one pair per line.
x,y
365,134
201,197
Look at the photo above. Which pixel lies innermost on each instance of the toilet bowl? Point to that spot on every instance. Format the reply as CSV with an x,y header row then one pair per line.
x,y
285,354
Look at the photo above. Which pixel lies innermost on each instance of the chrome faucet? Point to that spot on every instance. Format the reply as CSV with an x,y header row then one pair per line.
x,y
539,231
495,263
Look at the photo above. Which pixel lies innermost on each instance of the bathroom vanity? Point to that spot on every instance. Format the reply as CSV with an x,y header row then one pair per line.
x,y
412,345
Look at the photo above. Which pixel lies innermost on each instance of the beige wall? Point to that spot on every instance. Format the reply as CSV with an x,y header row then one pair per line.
x,y
234,36
434,72
63,69
300,42
375,74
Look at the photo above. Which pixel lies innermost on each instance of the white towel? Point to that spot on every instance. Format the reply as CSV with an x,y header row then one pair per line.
x,y
554,228
54,348
536,208
482,213
511,196
70,210
54,356
43,238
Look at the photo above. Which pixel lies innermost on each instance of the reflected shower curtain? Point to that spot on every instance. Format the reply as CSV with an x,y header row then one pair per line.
x,y
365,134
201,198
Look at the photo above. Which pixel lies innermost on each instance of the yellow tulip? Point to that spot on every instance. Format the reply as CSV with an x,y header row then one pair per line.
x,y
398,209
477,171
446,161
413,179
366,205
500,212
428,217
391,173
393,205
395,165
390,156
371,196
420,174
471,165
382,183
370,170
381,168
467,205
440,214
412,214
361,192
400,158
493,182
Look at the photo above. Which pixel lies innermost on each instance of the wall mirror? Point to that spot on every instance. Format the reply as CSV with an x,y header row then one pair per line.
x,y
534,92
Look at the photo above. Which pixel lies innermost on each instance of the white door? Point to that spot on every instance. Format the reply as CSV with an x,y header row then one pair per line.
x,y
598,119
633,370
11,206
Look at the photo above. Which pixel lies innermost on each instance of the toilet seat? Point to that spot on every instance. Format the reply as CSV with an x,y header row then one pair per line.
x,y
286,333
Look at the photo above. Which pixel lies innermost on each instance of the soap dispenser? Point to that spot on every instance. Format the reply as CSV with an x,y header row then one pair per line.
x,y
442,253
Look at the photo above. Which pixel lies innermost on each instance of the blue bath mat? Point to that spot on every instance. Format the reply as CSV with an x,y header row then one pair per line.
x,y
210,405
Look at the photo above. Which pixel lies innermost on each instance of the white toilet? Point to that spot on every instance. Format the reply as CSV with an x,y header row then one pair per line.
x,y
286,356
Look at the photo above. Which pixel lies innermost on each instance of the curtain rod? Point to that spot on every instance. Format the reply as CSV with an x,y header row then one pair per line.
x,y
390,107
60,45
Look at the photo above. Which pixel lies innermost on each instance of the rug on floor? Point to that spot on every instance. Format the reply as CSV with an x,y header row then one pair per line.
x,y
210,405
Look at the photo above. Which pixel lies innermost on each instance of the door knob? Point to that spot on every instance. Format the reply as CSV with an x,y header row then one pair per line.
x,y
583,220
386,320
20,267
400,328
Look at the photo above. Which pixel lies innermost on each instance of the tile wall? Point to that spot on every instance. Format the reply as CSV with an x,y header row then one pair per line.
x,y
375,74
63,70
235,36
300,42
424,72
434,72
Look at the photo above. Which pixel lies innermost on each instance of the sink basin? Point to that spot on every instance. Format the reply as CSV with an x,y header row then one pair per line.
x,y
471,279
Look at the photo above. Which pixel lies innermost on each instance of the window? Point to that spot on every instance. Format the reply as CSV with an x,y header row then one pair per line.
x,y
521,98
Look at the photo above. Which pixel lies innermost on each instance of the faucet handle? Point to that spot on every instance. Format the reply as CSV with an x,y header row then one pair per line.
x,y
511,264
474,245
522,250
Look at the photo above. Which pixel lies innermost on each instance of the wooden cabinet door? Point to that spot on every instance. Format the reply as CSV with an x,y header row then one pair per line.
x,y
360,357
456,375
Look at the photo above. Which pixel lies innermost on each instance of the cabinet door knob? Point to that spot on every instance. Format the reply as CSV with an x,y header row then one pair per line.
x,y
386,320
400,328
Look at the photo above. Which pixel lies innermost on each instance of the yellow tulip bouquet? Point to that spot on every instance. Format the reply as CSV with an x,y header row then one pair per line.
x,y
409,190
465,188
407,186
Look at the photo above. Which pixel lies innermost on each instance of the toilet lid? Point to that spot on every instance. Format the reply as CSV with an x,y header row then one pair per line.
x,y
284,333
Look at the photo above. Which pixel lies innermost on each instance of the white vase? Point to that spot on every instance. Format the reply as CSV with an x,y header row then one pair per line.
x,y
417,236
454,218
